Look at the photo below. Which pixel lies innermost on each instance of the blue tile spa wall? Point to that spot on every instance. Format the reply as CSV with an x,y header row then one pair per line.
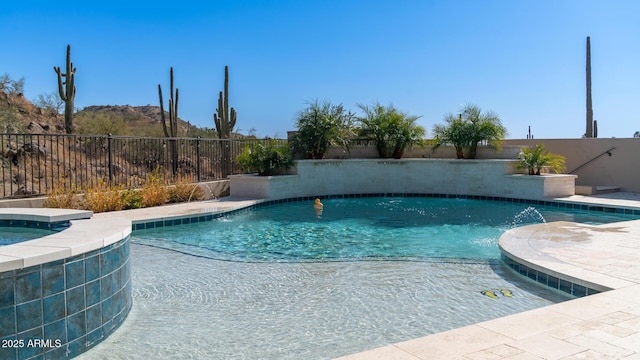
x,y
59,309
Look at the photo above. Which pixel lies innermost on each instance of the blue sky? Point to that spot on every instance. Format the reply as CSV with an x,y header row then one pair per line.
x,y
524,59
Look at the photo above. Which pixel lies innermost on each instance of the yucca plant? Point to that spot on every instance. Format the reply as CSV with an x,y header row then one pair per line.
x,y
534,159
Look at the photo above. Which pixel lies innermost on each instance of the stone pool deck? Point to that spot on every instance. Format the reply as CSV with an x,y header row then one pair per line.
x,y
601,326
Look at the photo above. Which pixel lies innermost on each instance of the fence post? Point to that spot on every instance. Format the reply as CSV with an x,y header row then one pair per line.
x,y
198,158
110,157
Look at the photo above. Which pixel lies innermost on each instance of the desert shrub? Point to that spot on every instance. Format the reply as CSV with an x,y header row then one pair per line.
x,y
265,159
154,192
183,191
63,196
103,197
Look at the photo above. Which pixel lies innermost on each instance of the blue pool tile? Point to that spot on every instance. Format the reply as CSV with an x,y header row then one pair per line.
x,y
77,346
29,352
94,318
94,337
7,321
106,286
74,273
107,310
76,326
52,280
75,300
29,315
7,292
54,308
56,331
9,353
578,290
565,286
91,268
28,287
92,292
56,353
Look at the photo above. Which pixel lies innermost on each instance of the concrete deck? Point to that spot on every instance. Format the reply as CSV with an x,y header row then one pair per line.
x,y
601,326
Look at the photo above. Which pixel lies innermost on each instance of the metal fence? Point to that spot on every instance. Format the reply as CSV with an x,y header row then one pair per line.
x,y
36,164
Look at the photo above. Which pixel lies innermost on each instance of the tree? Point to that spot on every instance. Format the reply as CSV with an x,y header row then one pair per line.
x,y
468,129
93,123
392,130
636,134
454,133
321,125
50,102
483,127
10,86
535,159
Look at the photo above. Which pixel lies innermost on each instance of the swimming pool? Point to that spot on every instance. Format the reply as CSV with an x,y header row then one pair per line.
x,y
394,228
14,234
234,302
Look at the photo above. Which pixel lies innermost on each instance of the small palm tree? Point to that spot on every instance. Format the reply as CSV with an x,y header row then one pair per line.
x,y
483,127
535,159
321,125
468,129
392,130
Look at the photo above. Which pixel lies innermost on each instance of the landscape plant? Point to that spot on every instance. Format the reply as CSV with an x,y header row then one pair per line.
x,y
536,158
392,130
320,126
470,128
67,90
265,159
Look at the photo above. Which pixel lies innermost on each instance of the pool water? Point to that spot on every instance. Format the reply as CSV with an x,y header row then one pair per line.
x,y
280,282
361,229
11,235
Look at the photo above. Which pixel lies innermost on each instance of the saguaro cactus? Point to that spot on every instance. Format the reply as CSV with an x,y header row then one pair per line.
x,y
225,119
589,131
67,90
170,131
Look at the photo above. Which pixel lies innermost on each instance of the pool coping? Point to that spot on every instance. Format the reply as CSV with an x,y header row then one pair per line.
x,y
604,324
85,233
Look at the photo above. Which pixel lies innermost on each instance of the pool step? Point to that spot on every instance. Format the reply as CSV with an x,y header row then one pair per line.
x,y
596,190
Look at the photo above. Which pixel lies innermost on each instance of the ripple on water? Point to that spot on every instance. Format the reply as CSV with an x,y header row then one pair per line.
x,y
190,307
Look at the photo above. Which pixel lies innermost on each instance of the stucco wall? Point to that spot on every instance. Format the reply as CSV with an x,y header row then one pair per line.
x,y
493,178
621,169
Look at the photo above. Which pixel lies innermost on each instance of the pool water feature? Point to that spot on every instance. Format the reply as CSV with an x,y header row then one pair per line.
x,y
234,302
425,229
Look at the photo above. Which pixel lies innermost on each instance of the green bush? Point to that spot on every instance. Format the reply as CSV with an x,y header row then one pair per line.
x,y
265,159
535,159
468,129
392,131
320,126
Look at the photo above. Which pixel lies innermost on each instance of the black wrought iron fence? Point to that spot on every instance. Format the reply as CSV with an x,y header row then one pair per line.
x,y
36,164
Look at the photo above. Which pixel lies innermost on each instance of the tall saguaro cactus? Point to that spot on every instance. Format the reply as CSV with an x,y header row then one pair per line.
x,y
170,131
67,90
225,121
589,132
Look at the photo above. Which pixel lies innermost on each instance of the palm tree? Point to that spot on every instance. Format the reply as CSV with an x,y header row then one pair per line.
x,y
483,127
455,133
535,159
392,130
469,129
